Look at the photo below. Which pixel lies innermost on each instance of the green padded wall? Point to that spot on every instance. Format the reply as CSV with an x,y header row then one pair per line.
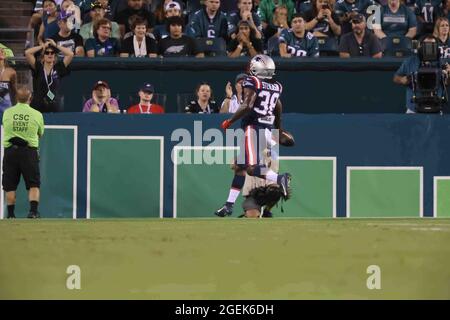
x,y
57,175
384,192
442,197
199,186
125,177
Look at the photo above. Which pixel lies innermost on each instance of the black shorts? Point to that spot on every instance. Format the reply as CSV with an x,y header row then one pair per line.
x,y
21,161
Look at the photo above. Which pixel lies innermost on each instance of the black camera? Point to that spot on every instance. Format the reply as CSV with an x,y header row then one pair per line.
x,y
429,82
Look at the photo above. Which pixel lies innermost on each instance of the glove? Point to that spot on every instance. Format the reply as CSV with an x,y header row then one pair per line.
x,y
226,124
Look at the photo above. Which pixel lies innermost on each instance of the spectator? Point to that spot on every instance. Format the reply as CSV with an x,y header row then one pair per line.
x,y
204,102
396,21
278,24
135,8
8,78
177,44
441,33
7,51
445,9
49,26
245,43
163,7
303,6
101,100
322,20
140,44
426,13
47,74
145,104
361,42
232,102
67,38
74,14
97,12
102,45
266,10
171,9
348,9
297,42
244,13
88,4
209,22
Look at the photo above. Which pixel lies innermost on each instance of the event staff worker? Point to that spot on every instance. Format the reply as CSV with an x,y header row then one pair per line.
x,y
23,126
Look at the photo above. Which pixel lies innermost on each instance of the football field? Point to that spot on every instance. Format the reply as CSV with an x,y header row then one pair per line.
x,y
225,258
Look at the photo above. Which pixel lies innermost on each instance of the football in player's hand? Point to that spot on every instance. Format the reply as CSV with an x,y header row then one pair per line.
x,y
286,138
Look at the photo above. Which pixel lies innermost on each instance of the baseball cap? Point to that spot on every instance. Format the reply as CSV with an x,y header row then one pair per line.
x,y
172,5
239,77
358,18
101,83
96,5
147,87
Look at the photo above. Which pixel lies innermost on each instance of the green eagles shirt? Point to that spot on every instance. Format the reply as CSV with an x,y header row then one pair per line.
x,y
24,122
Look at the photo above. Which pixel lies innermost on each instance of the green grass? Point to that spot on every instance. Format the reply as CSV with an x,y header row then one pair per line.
x,y
225,258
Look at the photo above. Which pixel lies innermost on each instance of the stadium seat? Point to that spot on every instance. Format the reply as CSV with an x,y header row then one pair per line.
x,y
328,46
396,46
272,46
212,47
183,100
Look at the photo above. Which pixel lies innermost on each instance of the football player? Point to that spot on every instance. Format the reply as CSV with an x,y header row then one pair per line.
x,y
260,113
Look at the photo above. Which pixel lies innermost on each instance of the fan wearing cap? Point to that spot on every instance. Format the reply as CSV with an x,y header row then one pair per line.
x,y
101,100
360,42
87,6
67,38
297,42
145,105
347,9
165,10
96,13
245,43
47,73
232,102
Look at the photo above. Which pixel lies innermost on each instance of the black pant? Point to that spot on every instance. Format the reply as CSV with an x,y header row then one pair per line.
x,y
21,161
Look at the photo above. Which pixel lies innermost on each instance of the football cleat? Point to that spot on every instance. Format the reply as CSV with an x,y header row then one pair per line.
x,y
266,214
226,210
33,215
284,181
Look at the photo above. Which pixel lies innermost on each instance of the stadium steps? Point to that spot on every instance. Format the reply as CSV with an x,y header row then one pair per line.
x,y
19,4
15,14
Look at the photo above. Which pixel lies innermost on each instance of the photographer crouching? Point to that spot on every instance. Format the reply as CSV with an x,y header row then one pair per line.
x,y
425,76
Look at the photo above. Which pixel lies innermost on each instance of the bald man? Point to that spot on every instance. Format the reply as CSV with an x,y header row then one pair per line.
x,y
23,126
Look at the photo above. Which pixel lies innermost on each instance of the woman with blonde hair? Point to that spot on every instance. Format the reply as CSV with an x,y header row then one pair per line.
x,y
441,33
7,82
